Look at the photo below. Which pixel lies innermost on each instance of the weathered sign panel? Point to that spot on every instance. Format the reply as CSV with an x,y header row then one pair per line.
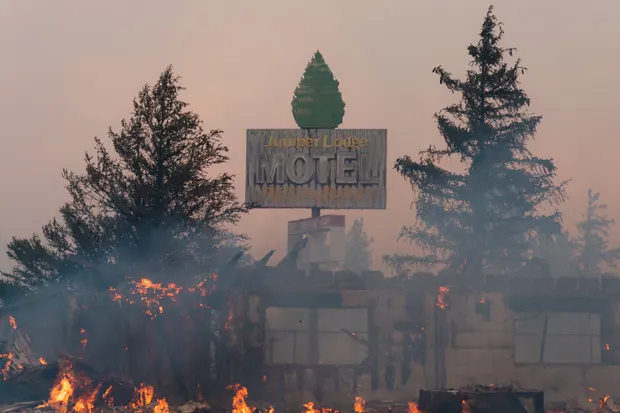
x,y
323,222
330,169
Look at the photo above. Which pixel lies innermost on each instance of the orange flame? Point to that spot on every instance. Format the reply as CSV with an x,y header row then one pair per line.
x,y
359,405
86,402
413,408
7,364
442,297
464,406
309,408
161,406
68,385
144,396
107,398
152,294
12,322
603,401
62,392
42,361
238,403
84,340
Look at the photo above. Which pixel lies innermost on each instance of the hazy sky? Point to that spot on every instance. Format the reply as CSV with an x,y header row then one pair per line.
x,y
71,68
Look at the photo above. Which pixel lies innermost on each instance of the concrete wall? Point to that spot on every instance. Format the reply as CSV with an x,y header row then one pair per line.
x,y
463,345
481,350
396,323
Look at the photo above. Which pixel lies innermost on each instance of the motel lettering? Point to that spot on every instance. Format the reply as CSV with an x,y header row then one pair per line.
x,y
292,168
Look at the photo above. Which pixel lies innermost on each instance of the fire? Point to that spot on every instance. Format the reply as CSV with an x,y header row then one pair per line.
x,y
238,402
12,322
144,396
152,294
86,402
202,288
161,406
359,405
310,408
42,361
62,393
107,398
442,297
229,320
76,394
7,364
607,347
84,340
464,406
413,408
603,401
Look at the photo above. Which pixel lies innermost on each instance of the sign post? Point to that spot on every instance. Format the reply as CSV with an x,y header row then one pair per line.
x,y
325,244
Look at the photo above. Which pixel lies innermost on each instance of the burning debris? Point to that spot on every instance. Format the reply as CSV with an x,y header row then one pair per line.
x,y
152,294
238,403
359,405
73,391
442,297
15,350
481,399
412,407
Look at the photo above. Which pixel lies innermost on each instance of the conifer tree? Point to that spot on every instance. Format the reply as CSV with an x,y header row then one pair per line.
x,y
594,252
485,218
559,252
317,103
150,203
358,256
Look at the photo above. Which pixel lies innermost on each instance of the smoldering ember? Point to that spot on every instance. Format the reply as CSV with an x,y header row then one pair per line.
x,y
141,294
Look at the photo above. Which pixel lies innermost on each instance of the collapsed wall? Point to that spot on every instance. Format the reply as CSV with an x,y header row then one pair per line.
x,y
332,336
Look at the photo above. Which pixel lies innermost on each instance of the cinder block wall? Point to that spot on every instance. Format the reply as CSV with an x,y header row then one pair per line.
x,y
462,345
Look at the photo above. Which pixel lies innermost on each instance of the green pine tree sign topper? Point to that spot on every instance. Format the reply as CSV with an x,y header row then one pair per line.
x,y
317,103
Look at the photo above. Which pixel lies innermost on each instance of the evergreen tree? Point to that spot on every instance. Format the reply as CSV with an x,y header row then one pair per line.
x,y
594,253
150,204
485,218
559,252
358,256
317,103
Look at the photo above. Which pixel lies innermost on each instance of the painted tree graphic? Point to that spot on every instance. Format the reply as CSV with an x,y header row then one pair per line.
x,y
317,103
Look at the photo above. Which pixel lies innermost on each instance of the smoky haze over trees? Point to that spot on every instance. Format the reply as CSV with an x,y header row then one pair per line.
x,y
485,219
358,256
558,253
146,200
148,204
593,252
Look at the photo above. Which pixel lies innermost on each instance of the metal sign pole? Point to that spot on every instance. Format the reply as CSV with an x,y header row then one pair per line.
x,y
316,212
